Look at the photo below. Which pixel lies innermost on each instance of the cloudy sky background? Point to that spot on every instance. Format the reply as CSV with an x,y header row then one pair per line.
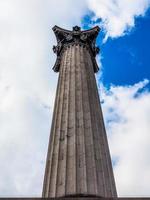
x,y
27,87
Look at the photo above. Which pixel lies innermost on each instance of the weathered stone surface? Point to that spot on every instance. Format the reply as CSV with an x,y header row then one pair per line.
x,y
78,160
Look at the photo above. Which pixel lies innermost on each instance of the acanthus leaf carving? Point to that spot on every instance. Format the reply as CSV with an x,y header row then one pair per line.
x,y
76,36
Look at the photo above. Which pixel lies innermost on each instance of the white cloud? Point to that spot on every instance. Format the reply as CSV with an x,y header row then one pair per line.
x,y
118,16
27,88
127,116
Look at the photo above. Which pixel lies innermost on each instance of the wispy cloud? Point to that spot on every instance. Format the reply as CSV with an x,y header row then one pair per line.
x,y
118,17
127,117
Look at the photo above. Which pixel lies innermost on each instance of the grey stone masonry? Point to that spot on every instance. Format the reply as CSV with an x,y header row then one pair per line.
x,y
78,159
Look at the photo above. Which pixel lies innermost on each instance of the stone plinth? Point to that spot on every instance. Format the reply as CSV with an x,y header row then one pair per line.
x,y
77,198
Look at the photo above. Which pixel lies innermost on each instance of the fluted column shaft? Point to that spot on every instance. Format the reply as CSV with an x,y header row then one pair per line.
x,y
78,160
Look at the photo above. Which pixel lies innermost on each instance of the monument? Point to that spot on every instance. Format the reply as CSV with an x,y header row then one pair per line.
x,y
78,160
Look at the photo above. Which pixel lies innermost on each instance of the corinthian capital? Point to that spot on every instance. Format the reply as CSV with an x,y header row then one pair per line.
x,y
65,38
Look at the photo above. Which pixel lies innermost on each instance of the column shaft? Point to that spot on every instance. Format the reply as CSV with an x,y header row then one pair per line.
x,y
78,160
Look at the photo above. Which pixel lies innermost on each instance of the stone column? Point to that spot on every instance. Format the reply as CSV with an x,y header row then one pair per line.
x,y
78,160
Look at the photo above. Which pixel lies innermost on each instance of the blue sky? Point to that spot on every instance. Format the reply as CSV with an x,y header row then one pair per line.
x,y
28,85
125,59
